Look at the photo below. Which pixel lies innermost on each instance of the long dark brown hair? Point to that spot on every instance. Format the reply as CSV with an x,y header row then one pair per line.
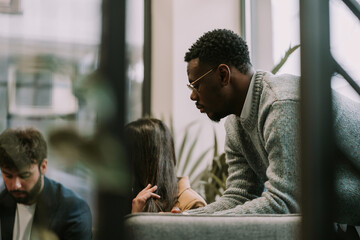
x,y
150,149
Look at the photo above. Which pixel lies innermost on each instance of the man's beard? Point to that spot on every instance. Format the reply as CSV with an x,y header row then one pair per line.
x,y
31,195
216,117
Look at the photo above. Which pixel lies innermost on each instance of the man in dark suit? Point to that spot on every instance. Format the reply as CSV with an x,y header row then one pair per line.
x,y
31,204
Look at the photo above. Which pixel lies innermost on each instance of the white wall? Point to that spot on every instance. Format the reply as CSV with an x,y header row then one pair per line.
x,y
162,59
261,53
181,23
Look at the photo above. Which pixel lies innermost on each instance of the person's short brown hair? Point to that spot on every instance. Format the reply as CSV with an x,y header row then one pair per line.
x,y
21,147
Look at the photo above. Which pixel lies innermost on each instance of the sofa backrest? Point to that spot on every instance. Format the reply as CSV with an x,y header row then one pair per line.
x,y
150,226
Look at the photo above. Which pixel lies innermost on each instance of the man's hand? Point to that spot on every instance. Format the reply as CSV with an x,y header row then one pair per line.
x,y
175,210
138,203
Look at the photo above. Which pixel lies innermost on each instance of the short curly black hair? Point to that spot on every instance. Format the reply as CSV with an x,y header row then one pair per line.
x,y
221,46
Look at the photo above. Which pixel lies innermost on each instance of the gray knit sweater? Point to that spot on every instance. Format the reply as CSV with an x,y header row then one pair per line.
x,y
347,182
262,150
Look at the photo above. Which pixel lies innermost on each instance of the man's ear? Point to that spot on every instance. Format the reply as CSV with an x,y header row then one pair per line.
x,y
43,166
224,74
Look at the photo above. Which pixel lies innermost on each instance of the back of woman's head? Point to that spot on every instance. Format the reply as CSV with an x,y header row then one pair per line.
x,y
150,148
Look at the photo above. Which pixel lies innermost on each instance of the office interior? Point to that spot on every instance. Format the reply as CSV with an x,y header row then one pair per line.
x,y
79,70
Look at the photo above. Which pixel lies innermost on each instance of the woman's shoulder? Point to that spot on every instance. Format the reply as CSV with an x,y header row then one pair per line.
x,y
188,198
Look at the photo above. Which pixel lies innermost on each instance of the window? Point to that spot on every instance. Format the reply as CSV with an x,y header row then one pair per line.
x,y
344,42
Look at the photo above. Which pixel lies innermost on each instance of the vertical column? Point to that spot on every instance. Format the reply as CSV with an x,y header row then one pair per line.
x,y
3,105
113,202
316,117
146,101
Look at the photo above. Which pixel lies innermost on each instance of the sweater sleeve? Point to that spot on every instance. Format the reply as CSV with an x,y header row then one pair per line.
x,y
281,195
242,184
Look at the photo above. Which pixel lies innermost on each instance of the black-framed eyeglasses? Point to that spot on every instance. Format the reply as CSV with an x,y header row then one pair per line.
x,y
191,85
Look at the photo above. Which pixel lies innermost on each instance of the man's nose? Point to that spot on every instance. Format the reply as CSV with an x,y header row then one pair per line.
x,y
16,183
193,95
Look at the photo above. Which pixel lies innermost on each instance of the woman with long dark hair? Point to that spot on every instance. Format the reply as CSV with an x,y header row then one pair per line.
x,y
156,188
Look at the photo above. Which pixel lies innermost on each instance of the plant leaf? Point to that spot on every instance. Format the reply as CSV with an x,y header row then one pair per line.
x,y
211,193
189,155
284,59
218,181
198,161
215,144
180,153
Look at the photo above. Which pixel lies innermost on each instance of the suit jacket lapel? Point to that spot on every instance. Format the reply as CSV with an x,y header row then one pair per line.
x,y
7,215
43,211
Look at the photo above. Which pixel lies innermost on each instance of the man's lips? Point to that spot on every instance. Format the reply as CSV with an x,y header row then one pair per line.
x,y
200,107
18,194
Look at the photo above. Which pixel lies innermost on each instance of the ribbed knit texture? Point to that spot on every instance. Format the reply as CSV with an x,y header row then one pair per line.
x,y
263,153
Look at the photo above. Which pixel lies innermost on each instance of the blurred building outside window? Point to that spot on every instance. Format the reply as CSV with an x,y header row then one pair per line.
x,y
134,51
47,47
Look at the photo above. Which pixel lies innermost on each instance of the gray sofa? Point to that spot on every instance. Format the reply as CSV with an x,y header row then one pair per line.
x,y
210,227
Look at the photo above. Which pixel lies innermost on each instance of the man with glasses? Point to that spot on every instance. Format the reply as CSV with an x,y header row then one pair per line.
x,y
262,138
